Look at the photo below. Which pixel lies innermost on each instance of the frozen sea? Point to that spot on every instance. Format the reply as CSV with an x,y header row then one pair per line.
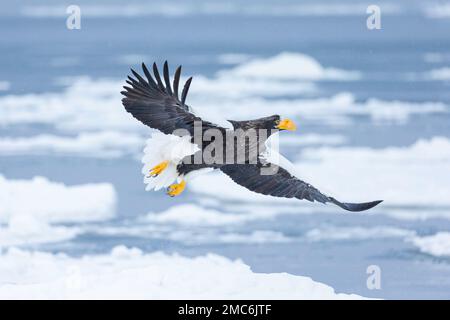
x,y
373,115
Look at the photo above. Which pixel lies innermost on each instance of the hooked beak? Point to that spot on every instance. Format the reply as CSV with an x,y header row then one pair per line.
x,y
287,124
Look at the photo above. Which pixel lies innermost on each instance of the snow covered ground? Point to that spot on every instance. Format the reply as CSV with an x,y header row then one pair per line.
x,y
128,273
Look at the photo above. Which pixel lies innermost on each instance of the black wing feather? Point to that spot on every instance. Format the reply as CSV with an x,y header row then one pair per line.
x,y
176,81
167,78
158,77
149,76
282,184
156,105
185,90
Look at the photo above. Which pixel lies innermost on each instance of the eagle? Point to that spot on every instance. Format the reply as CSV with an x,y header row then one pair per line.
x,y
174,154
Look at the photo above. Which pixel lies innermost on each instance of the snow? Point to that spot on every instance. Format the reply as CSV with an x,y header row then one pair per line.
x,y
29,230
196,215
104,144
356,233
191,214
415,175
191,235
438,74
258,237
211,237
436,245
336,110
290,66
32,210
308,139
85,104
231,86
95,104
56,202
128,273
436,149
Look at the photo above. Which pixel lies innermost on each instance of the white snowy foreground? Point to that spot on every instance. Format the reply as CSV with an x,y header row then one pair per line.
x,y
437,245
130,274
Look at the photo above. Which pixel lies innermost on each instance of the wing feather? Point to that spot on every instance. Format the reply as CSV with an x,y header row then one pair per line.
x,y
167,78
283,184
156,105
176,81
158,77
185,90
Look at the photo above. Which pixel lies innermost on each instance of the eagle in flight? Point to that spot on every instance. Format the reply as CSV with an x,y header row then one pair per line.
x,y
171,159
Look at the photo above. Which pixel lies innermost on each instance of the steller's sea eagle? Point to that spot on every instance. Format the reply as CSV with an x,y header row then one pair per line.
x,y
171,157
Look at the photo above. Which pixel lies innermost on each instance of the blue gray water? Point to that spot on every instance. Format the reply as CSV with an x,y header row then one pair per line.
x,y
29,47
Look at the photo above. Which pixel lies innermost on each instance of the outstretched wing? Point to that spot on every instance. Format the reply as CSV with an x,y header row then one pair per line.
x,y
157,104
278,182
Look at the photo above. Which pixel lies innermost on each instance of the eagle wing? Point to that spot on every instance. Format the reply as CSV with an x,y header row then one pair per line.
x,y
157,104
278,182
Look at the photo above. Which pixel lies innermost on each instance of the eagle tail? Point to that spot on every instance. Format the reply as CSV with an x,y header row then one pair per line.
x,y
355,207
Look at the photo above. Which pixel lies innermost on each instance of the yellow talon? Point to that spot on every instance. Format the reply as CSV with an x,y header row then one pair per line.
x,y
176,188
156,170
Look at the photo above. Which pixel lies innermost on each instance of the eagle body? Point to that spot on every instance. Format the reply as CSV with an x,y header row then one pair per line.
x,y
187,145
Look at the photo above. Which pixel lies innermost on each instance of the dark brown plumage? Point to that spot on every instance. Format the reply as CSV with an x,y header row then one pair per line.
x,y
157,105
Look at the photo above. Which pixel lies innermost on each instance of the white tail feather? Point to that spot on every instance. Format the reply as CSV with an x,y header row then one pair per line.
x,y
159,148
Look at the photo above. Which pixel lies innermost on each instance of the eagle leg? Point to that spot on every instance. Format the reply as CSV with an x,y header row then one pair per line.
x,y
156,170
176,188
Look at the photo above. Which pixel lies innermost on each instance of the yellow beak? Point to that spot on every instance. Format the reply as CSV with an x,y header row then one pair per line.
x,y
287,124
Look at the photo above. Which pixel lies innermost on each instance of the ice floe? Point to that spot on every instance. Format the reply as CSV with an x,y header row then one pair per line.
x,y
334,110
84,105
56,202
23,230
288,66
442,74
356,233
191,214
103,144
197,215
416,175
31,210
436,245
251,89
130,274
312,139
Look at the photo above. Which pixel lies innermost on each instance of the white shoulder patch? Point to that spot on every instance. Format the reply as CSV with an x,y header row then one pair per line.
x,y
272,155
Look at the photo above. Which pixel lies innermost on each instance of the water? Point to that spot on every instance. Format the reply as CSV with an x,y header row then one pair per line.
x,y
37,52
